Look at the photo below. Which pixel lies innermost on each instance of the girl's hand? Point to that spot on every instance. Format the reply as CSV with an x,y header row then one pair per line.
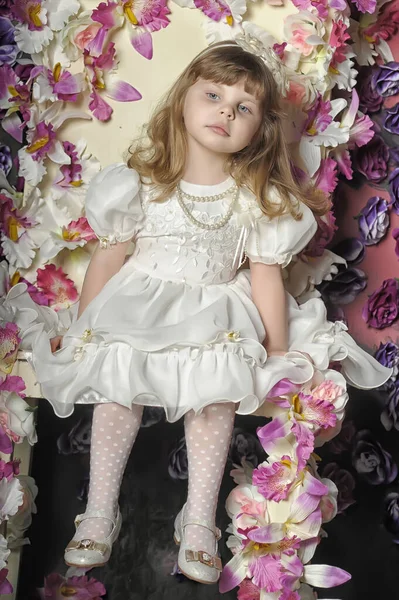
x,y
55,342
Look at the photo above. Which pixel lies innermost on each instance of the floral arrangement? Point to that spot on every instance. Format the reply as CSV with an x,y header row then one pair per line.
x,y
279,507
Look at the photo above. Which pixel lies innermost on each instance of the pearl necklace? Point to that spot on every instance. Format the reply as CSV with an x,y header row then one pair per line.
x,y
210,227
208,198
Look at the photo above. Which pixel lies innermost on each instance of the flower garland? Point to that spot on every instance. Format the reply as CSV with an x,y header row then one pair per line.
x,y
278,509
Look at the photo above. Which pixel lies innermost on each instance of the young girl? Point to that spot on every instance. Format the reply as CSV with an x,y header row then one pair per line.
x,y
175,325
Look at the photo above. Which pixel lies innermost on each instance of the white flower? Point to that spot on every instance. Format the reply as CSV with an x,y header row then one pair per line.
x,y
52,17
4,552
20,522
20,417
11,497
308,271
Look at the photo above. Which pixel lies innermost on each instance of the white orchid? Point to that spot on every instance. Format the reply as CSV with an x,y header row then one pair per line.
x,y
35,29
11,497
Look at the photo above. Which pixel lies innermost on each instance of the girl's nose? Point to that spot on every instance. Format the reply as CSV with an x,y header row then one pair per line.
x,y
227,111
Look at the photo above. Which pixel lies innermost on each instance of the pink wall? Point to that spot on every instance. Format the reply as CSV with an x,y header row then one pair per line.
x,y
380,261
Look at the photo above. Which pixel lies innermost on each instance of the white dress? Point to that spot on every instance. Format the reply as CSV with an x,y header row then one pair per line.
x,y
176,327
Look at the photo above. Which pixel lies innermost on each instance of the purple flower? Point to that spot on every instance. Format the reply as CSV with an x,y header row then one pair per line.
x,y
372,160
370,101
5,585
351,249
77,441
8,46
372,463
178,463
382,307
345,483
392,120
394,189
373,220
391,515
386,79
5,159
5,7
390,414
388,355
395,235
246,446
344,286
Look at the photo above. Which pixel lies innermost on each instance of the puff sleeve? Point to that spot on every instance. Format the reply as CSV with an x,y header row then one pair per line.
x,y
113,207
277,240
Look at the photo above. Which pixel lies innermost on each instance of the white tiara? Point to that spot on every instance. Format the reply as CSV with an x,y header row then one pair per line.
x,y
254,45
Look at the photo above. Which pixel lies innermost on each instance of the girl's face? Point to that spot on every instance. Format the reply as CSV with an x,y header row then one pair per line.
x,y
222,118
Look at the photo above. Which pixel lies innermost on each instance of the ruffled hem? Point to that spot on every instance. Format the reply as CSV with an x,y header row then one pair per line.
x,y
177,379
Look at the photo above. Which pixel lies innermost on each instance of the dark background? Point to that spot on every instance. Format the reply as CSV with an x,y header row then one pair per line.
x,y
144,556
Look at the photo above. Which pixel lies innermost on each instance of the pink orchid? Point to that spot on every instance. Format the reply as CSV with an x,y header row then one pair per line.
x,y
366,5
63,84
70,174
325,178
12,222
78,230
266,573
320,5
386,25
338,38
59,289
41,140
5,585
319,117
248,591
13,383
215,10
9,344
32,290
14,99
98,69
9,469
74,588
274,480
148,16
27,11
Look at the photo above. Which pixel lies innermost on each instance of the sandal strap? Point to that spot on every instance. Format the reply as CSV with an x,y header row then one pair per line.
x,y
204,558
215,530
96,514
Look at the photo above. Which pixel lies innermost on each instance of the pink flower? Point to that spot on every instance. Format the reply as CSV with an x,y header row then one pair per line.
x,y
9,344
317,411
84,37
338,38
289,595
319,117
366,5
328,390
78,230
41,140
266,572
274,480
215,9
326,178
4,422
59,289
296,93
248,591
5,585
74,588
71,173
9,469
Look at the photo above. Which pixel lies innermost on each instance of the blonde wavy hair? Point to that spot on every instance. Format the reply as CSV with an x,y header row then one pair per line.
x,y
159,154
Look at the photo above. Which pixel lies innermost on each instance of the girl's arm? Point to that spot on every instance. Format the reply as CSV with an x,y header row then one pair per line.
x,y
104,264
268,294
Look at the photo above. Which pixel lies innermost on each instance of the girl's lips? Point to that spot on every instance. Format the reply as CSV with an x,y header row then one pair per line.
x,y
218,130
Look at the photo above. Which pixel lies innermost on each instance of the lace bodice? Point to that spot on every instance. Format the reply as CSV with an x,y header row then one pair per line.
x,y
169,246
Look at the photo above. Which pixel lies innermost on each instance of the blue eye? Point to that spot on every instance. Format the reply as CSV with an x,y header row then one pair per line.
x,y
246,109
212,95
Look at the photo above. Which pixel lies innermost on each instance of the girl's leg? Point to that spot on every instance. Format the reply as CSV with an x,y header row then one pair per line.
x,y
114,431
208,437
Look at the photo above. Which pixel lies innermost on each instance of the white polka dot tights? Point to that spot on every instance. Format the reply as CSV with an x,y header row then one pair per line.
x,y
114,431
208,437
